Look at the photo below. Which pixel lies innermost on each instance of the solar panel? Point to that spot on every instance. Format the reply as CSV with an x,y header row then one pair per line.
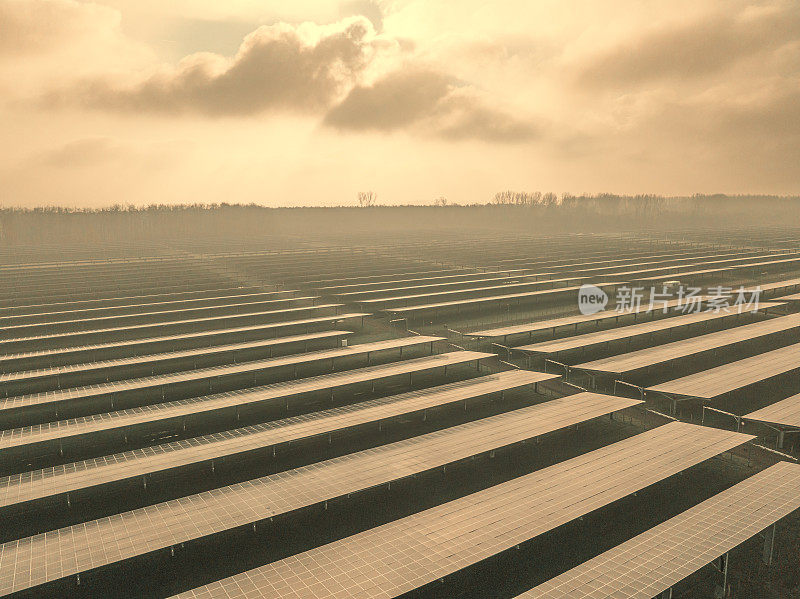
x,y
155,316
212,301
408,553
495,298
89,391
650,274
171,323
766,263
769,287
32,485
675,350
345,416
656,560
665,263
154,359
75,292
784,413
433,295
684,274
11,362
35,560
734,375
628,332
467,283
577,319
593,258
134,299
370,282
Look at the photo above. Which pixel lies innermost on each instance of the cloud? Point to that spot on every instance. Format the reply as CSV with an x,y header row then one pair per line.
x,y
34,26
47,44
98,170
315,70
695,49
82,152
427,102
99,152
395,101
366,8
278,67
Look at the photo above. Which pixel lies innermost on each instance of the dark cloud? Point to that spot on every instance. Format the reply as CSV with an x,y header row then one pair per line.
x,y
693,50
463,117
428,102
275,68
395,101
309,69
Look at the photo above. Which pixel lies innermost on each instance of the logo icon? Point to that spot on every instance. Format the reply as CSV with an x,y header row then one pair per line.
x,y
591,299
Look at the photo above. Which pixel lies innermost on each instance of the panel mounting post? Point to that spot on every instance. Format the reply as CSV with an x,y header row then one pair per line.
x,y
769,545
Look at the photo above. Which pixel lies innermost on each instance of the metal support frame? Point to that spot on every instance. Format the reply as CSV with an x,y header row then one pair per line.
x,y
673,399
627,384
769,544
721,564
780,430
564,366
736,417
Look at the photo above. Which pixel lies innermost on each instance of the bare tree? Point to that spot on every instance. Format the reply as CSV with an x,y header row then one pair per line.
x,y
513,198
549,199
440,201
503,197
367,198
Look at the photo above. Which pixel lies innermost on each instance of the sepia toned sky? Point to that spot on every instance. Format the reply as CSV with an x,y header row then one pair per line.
x,y
308,102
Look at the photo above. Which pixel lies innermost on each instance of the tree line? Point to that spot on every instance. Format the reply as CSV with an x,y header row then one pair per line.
x,y
507,209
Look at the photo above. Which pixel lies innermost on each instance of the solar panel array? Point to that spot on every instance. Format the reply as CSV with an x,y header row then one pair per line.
x,y
626,333
55,553
12,362
579,319
656,560
211,373
57,374
735,375
685,348
207,404
393,559
58,431
785,413
122,373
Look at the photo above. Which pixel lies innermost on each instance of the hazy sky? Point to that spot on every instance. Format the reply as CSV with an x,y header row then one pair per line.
x,y
307,102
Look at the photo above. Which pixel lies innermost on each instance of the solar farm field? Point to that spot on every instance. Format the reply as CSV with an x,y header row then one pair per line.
x,y
486,414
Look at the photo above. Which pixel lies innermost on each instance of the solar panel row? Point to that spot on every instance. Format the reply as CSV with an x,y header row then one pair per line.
x,y
35,560
62,375
406,554
714,382
784,413
578,319
657,559
215,372
627,332
645,358
267,434
232,400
